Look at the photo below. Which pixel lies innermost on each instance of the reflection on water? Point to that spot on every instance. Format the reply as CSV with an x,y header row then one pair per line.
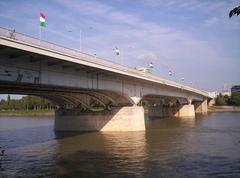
x,y
95,153
205,146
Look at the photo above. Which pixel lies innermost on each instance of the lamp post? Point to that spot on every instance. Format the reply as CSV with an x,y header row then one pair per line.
x,y
80,40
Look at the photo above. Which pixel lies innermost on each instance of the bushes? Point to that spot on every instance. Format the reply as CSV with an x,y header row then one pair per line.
x,y
221,100
234,100
25,103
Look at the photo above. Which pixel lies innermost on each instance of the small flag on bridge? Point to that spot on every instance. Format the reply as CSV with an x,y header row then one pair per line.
x,y
42,20
151,65
117,51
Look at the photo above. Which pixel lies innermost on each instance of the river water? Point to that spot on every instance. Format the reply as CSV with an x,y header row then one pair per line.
x,y
207,146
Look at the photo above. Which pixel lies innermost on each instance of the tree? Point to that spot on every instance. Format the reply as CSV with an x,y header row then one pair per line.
x,y
235,11
235,99
220,100
8,100
25,103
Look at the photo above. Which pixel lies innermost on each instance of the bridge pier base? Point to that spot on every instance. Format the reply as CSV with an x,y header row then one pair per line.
x,y
186,111
161,111
118,119
201,107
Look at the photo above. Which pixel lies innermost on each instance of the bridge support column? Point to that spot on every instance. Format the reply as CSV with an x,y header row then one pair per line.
x,y
155,111
186,111
201,107
211,102
161,111
118,119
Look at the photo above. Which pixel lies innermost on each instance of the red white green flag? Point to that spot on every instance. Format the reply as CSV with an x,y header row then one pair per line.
x,y
117,51
151,65
42,20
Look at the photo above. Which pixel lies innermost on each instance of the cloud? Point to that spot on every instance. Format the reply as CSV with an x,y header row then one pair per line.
x,y
125,18
192,5
147,56
211,21
86,7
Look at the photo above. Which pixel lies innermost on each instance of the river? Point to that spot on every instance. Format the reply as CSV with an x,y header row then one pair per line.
x,y
207,146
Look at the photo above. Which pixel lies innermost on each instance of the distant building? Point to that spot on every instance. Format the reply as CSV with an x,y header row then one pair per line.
x,y
213,94
235,88
225,87
226,93
143,69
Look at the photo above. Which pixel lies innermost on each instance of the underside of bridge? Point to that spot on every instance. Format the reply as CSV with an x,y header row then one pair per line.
x,y
84,110
91,110
166,106
68,98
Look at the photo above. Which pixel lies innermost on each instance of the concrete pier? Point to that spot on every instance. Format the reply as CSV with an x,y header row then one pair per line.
x,y
118,119
201,107
186,111
168,111
162,111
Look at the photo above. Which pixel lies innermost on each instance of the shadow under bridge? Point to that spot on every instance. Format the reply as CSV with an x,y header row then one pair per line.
x,y
69,98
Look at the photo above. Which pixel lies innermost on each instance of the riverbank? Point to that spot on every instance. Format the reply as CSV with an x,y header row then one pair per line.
x,y
51,112
224,109
26,112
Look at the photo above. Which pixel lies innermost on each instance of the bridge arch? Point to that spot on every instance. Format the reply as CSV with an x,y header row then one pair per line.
x,y
69,97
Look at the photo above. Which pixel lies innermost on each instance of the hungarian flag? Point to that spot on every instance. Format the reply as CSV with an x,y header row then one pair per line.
x,y
117,51
151,65
42,20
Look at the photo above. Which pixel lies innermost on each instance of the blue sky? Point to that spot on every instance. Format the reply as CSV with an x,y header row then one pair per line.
x,y
194,39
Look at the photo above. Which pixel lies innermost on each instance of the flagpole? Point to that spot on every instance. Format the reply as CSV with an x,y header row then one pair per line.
x,y
80,40
121,58
40,34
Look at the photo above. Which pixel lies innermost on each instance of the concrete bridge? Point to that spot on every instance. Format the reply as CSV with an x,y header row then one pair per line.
x,y
91,93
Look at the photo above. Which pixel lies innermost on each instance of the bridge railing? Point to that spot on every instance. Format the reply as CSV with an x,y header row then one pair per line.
x,y
12,34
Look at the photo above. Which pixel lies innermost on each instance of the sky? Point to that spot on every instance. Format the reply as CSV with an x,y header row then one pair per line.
x,y
194,39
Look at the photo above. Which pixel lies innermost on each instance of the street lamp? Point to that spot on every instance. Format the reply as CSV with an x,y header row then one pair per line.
x,y
80,38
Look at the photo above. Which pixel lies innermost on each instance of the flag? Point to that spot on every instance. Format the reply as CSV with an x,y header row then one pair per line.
x,y
117,51
151,65
42,20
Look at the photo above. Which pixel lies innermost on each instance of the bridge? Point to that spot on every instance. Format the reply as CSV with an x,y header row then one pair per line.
x,y
91,93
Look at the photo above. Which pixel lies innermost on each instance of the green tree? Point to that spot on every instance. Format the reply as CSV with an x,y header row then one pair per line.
x,y
220,100
25,103
8,100
235,99
235,11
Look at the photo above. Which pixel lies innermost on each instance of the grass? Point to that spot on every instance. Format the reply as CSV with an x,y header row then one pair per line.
x,y
224,108
43,112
